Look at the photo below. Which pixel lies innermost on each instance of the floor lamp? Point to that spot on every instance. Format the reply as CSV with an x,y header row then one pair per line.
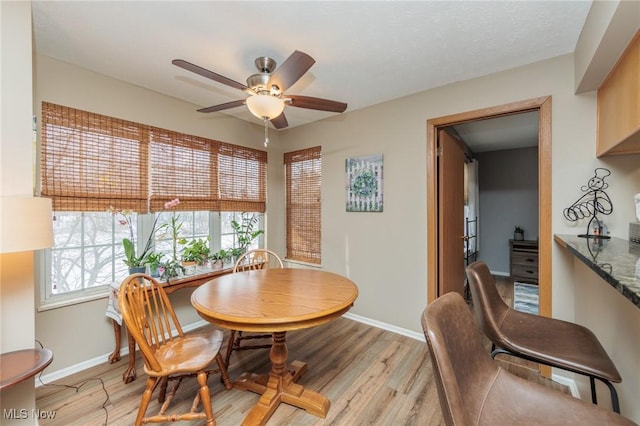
x,y
25,225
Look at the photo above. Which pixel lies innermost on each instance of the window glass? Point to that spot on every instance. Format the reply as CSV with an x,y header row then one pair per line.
x,y
88,254
87,246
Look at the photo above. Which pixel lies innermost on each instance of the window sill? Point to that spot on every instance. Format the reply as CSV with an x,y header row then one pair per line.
x,y
301,263
62,301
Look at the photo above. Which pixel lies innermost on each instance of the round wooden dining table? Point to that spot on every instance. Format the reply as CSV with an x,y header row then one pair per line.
x,y
276,301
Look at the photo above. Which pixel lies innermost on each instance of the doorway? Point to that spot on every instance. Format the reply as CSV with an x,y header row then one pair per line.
x,y
436,272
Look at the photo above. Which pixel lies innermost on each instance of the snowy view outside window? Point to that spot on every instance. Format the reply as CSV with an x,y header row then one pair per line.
x,y
88,253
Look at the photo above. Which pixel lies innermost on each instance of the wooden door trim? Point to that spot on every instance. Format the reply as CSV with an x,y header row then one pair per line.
x,y
543,105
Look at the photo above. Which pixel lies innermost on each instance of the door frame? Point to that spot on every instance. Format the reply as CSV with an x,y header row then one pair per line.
x,y
543,106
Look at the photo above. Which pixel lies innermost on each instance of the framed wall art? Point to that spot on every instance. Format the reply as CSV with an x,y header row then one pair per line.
x,y
364,183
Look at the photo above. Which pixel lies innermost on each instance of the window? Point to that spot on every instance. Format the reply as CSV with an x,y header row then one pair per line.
x,y
91,163
303,176
88,254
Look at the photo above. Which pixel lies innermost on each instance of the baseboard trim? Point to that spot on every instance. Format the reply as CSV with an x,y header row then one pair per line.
x,y
385,326
570,383
81,366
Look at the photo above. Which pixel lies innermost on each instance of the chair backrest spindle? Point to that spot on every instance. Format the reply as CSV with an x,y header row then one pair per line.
x,y
144,300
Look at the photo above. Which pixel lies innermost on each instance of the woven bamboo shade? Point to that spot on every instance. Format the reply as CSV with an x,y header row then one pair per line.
x,y
184,167
242,179
303,186
91,162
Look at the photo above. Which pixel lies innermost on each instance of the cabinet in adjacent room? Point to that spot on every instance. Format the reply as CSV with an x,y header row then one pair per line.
x,y
523,261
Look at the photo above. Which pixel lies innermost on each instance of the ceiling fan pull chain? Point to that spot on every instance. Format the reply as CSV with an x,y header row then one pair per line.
x,y
266,131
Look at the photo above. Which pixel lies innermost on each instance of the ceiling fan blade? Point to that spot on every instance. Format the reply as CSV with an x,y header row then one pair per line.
x,y
280,122
291,70
208,74
316,103
220,107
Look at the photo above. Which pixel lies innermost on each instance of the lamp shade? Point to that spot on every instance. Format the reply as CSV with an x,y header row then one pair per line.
x,y
25,224
265,106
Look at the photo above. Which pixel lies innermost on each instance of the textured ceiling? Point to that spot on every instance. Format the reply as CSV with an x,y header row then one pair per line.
x,y
366,52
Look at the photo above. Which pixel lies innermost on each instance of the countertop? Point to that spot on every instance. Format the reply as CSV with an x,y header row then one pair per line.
x,y
616,260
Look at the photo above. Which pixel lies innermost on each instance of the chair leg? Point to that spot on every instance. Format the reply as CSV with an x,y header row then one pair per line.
x,y
615,403
592,382
232,336
146,398
163,389
497,351
205,398
224,375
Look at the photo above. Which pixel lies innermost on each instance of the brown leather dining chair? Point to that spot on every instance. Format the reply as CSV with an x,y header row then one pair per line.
x,y
251,260
169,354
474,390
543,340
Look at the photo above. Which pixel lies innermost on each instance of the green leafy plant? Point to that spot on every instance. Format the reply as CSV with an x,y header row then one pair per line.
x,y
131,259
154,260
196,251
518,230
245,232
172,269
219,257
221,254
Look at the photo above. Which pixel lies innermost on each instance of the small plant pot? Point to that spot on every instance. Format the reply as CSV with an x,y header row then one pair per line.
x,y
518,236
189,268
138,270
154,272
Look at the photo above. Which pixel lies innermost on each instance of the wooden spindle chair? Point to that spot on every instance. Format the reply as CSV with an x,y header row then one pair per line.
x,y
169,354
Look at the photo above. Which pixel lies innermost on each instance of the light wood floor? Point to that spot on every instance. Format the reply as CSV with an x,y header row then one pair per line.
x,y
371,377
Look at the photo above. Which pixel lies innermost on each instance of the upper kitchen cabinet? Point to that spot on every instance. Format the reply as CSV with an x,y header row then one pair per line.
x,y
619,105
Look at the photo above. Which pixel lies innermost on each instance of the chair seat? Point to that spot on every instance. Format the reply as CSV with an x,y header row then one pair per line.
x,y
194,351
511,400
559,343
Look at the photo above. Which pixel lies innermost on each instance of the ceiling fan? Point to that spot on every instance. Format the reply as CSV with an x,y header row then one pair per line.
x,y
266,88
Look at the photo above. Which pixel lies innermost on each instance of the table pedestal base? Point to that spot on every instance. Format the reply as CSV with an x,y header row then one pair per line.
x,y
280,386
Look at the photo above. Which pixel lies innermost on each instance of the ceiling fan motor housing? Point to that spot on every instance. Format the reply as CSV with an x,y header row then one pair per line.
x,y
258,82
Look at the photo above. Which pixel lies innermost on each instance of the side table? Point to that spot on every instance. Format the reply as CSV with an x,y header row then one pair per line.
x,y
18,366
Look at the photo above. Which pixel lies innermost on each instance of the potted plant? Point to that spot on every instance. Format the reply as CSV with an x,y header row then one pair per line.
x,y
218,258
196,251
154,260
172,269
136,263
518,234
245,233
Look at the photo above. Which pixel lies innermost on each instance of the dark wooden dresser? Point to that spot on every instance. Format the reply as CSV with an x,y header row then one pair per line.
x,y
523,261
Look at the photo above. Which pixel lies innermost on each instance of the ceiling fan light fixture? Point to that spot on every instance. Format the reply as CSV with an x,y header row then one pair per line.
x,y
265,106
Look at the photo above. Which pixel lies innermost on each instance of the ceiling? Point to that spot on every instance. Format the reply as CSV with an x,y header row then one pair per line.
x,y
366,52
495,134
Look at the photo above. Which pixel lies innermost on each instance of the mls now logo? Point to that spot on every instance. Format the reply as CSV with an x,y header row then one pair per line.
x,y
21,414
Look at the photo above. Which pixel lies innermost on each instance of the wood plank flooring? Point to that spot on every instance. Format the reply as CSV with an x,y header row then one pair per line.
x,y
371,376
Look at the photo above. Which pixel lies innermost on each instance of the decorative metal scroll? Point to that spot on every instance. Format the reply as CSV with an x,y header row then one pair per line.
x,y
594,201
